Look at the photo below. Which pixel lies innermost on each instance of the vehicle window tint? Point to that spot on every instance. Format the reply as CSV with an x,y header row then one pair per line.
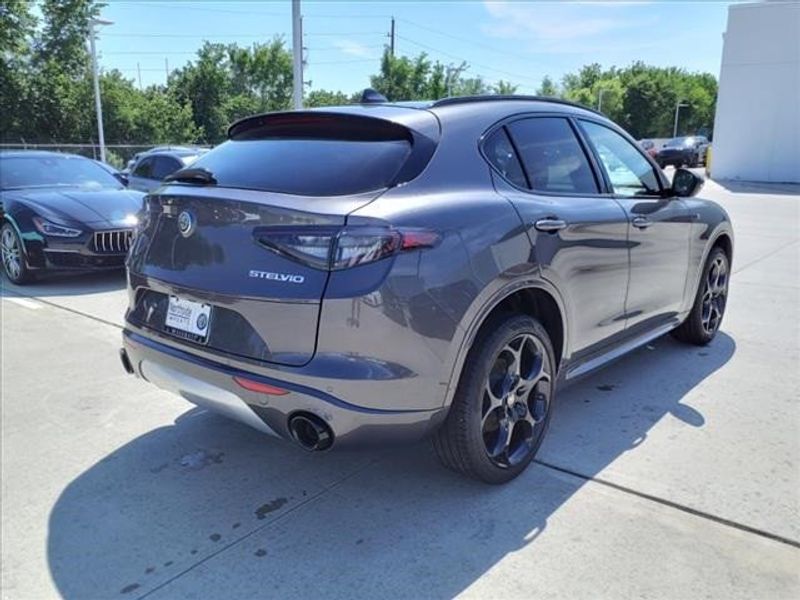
x,y
144,168
163,166
552,156
630,173
500,153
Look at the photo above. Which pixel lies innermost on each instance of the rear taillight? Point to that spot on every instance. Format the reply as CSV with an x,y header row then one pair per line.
x,y
335,249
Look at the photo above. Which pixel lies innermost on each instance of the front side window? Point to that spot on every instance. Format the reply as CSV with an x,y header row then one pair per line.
x,y
552,156
163,166
629,172
144,168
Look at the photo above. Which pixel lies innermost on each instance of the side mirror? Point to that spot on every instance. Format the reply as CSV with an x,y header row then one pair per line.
x,y
122,178
685,183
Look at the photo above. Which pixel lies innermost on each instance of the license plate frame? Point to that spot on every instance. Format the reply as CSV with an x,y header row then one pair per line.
x,y
188,319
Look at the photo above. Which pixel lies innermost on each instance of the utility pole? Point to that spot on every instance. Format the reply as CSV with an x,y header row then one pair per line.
x,y
96,76
391,40
297,56
139,72
166,68
600,99
452,73
678,106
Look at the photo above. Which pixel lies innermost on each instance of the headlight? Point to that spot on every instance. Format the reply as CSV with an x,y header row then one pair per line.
x,y
55,230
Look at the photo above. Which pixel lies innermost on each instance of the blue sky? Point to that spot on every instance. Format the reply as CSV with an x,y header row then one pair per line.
x,y
516,41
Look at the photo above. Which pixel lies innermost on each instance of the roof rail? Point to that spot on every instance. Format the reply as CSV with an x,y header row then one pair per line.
x,y
502,97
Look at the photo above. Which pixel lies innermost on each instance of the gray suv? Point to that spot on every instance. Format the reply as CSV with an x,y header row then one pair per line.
x,y
149,169
383,272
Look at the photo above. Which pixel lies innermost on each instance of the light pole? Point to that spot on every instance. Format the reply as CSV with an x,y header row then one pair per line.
x,y
98,105
678,106
600,99
297,56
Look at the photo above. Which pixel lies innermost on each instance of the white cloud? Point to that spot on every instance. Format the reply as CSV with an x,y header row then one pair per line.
x,y
563,26
355,49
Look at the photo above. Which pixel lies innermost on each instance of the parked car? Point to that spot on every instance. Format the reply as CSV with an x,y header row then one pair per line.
x,y
132,161
369,274
649,147
154,166
62,212
680,151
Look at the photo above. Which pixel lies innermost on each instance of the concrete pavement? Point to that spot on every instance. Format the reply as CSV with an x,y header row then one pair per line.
x,y
674,473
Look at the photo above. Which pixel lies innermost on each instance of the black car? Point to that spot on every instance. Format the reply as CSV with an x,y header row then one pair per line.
x,y
62,211
680,151
377,273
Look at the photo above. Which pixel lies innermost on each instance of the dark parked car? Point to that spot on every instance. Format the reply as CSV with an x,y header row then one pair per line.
x,y
151,168
680,151
369,274
62,211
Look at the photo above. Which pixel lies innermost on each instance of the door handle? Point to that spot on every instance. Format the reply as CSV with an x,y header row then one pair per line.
x,y
550,225
641,222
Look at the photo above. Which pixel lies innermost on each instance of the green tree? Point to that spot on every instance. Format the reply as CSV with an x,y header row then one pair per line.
x,y
326,98
504,88
17,25
547,88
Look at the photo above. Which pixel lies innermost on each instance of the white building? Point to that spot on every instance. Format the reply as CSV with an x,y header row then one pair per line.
x,y
757,125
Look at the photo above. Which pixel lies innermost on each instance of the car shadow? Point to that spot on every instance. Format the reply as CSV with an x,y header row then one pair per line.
x,y
151,512
752,187
66,284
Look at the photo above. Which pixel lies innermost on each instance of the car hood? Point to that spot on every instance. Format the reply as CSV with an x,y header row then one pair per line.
x,y
105,207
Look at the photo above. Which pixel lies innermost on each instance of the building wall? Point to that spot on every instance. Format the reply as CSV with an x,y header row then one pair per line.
x,y
757,123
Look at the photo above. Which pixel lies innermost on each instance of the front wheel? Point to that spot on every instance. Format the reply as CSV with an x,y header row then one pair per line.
x,y
704,320
13,256
501,409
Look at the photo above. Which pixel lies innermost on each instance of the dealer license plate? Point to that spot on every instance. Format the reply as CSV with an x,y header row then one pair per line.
x,y
188,319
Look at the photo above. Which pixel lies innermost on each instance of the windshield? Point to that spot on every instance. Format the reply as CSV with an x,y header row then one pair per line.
x,y
54,171
679,142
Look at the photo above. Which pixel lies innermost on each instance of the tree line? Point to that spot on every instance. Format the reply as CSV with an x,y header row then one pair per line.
x,y
46,93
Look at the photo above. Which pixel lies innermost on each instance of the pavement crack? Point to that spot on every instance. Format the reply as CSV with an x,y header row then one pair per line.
x,y
767,255
675,505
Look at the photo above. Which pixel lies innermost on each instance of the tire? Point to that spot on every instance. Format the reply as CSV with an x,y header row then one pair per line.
x,y
693,162
494,436
705,318
12,255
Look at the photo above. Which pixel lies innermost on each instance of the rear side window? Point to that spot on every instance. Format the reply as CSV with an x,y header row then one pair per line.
x,y
310,155
552,156
500,153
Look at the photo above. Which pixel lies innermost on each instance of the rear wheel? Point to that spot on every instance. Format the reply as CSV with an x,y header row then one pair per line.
x,y
704,320
13,256
502,406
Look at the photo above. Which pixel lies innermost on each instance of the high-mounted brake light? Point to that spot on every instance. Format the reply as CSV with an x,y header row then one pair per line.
x,y
261,388
333,249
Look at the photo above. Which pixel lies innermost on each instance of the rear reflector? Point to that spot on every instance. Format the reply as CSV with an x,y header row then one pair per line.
x,y
261,388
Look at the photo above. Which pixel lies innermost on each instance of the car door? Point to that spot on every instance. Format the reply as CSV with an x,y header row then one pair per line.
x,y
659,232
141,175
578,233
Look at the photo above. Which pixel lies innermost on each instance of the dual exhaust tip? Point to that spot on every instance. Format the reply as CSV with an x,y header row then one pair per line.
x,y
310,432
307,430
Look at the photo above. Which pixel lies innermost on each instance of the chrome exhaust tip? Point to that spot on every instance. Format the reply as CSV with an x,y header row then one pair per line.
x,y
310,432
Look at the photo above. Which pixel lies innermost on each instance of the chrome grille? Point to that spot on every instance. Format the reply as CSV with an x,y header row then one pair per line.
x,y
116,241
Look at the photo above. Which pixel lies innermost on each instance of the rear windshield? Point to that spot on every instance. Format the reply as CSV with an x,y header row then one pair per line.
x,y
306,166
311,153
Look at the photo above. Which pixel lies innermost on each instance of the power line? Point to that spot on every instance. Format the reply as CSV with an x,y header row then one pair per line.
x,y
455,57
460,39
228,35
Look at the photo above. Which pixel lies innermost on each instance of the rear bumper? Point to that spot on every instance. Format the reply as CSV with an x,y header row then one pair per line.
x,y
210,384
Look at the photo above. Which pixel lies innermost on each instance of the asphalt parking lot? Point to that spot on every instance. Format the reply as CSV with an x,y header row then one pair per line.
x,y
675,473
